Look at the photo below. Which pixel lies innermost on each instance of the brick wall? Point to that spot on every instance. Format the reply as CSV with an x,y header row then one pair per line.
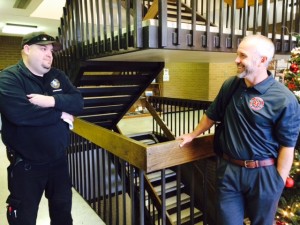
x,y
199,81
10,51
187,80
218,73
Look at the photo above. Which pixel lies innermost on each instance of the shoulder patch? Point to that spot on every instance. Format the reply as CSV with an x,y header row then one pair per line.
x,y
55,84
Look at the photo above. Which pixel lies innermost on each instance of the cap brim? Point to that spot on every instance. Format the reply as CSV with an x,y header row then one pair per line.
x,y
56,46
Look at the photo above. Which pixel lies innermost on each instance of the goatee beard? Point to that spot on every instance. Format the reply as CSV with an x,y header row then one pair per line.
x,y
242,75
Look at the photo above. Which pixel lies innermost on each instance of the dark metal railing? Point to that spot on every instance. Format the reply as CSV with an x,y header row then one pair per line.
x,y
108,183
91,29
113,177
180,115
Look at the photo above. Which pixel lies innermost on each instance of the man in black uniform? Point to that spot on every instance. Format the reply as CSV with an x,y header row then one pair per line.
x,y
37,104
261,126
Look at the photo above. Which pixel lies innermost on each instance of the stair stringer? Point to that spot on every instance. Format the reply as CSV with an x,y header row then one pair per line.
x,y
111,88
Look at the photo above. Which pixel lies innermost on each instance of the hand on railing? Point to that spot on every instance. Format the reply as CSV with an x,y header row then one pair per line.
x,y
186,138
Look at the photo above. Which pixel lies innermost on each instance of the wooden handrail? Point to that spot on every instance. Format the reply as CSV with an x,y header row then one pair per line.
x,y
125,148
147,158
161,123
168,154
153,11
240,3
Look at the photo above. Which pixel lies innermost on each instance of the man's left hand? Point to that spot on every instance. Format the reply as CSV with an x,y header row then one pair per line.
x,y
41,100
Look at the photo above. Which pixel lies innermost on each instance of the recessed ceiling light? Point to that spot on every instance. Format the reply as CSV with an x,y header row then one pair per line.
x,y
11,28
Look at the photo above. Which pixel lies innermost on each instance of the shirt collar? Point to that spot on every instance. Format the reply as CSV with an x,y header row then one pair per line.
x,y
263,86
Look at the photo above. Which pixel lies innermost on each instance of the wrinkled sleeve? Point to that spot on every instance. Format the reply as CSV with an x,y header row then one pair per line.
x,y
70,100
17,109
288,125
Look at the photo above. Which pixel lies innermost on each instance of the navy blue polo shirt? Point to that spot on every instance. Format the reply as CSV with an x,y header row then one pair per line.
x,y
258,119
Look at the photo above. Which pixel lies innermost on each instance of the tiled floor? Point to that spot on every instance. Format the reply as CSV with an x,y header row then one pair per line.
x,y
81,212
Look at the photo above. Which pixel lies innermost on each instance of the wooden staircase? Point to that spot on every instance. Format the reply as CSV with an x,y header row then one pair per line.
x,y
185,11
171,199
111,88
154,178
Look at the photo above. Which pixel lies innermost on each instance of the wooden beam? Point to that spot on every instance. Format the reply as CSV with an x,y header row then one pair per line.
x,y
240,3
168,154
125,148
160,122
153,11
148,158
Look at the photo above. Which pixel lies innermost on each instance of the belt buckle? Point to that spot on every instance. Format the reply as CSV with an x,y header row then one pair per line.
x,y
246,163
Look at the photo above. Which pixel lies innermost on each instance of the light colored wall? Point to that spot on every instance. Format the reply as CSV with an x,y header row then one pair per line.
x,y
10,48
218,73
187,80
199,81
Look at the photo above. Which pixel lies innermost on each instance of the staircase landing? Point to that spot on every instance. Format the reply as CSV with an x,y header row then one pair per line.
x,y
165,55
177,56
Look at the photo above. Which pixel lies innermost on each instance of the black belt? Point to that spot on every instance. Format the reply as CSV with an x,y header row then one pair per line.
x,y
250,163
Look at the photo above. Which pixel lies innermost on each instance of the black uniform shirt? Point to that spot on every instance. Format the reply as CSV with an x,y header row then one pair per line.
x,y
258,120
37,134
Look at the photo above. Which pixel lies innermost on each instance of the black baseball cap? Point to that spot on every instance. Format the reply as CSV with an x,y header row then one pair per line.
x,y
40,38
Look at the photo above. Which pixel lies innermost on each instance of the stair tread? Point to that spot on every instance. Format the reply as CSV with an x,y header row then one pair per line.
x,y
174,7
182,14
185,214
170,186
157,175
171,201
170,5
148,141
185,21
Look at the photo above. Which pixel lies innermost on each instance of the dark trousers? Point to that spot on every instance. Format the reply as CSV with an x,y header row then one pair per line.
x,y
27,183
254,192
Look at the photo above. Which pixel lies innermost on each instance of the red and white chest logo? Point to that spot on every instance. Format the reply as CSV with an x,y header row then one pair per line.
x,y
257,103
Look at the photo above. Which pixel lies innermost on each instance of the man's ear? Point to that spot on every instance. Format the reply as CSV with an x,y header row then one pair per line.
x,y
26,49
263,59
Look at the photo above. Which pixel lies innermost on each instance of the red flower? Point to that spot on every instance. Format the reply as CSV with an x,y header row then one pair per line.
x,y
292,86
